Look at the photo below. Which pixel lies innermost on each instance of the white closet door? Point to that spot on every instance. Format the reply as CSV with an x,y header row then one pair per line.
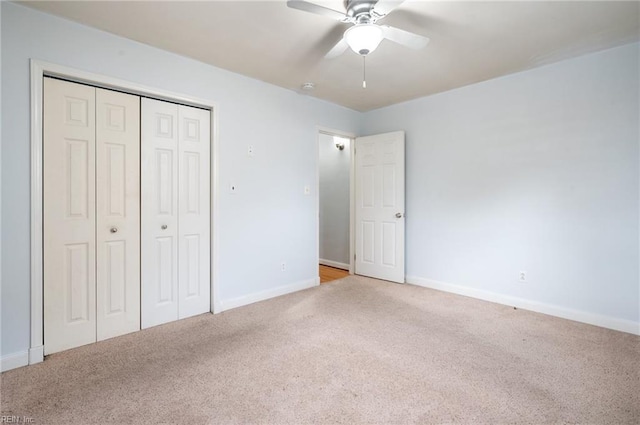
x,y
194,212
118,213
69,215
159,246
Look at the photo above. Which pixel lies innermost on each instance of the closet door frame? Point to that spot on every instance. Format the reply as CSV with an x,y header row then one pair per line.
x,y
39,70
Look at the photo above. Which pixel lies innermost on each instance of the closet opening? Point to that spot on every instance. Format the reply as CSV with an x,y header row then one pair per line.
x,y
94,208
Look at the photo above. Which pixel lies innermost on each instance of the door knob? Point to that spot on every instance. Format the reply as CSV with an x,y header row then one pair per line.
x,y
113,229
398,215
163,227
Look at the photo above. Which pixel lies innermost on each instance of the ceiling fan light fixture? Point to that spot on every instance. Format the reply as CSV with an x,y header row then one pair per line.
x,y
364,38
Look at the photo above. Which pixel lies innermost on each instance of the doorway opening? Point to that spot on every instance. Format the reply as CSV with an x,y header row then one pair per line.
x,y
335,182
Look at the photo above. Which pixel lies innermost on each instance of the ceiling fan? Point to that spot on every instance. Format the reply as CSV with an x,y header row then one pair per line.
x,y
364,36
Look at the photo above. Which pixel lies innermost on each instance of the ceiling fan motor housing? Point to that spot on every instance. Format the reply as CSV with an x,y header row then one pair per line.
x,y
360,10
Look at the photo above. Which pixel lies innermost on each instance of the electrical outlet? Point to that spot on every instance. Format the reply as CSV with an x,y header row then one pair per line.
x,y
522,277
250,150
233,188
283,266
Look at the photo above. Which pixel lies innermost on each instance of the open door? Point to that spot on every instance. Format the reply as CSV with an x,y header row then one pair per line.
x,y
379,206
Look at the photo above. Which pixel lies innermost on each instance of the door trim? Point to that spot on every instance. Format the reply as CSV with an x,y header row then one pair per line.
x,y
352,193
40,69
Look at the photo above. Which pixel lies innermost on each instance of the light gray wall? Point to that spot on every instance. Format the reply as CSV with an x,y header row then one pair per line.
x,y
270,204
335,166
537,171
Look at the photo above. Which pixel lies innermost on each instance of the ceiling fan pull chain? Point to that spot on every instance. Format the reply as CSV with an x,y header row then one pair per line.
x,y
364,72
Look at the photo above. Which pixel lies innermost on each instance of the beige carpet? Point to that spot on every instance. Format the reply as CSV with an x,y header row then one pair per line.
x,y
353,351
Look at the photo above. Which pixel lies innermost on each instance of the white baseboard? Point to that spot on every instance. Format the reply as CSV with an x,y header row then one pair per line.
x,y
36,354
335,264
217,307
609,322
13,361
269,293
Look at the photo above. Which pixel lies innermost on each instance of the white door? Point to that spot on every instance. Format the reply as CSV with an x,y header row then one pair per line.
x,y
118,213
194,216
69,215
159,246
379,210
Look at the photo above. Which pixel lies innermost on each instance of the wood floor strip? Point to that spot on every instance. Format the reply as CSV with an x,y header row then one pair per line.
x,y
328,274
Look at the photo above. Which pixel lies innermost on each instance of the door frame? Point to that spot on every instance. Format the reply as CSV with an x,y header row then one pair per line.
x,y
332,132
40,69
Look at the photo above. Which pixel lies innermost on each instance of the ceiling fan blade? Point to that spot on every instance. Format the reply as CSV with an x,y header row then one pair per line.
x,y
337,50
405,38
383,7
318,10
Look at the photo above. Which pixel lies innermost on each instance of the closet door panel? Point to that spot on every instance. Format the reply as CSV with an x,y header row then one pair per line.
x,y
118,213
194,211
159,170
69,215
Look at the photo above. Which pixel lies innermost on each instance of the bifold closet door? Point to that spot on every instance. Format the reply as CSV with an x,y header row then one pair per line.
x,y
159,212
194,216
175,212
118,213
91,187
69,215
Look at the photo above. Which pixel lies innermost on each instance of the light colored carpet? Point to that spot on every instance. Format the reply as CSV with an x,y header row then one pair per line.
x,y
353,351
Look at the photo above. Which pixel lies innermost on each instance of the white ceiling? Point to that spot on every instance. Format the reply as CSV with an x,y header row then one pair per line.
x,y
266,40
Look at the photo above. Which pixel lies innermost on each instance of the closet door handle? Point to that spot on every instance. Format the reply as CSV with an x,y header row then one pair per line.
x,y
163,227
113,230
